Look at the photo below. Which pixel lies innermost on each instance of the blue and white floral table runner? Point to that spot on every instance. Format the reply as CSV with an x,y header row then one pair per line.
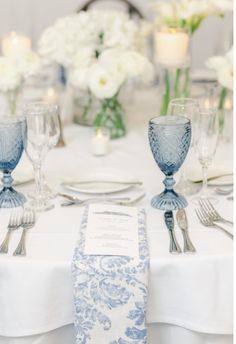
x,y
110,293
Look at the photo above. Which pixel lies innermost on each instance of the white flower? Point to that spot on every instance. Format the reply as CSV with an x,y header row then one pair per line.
x,y
10,78
27,63
192,12
97,29
222,6
127,64
223,66
102,83
78,78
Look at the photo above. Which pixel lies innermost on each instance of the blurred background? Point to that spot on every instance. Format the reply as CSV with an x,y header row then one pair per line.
x,y
31,17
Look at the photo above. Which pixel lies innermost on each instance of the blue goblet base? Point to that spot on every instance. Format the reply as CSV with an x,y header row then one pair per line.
x,y
169,200
10,198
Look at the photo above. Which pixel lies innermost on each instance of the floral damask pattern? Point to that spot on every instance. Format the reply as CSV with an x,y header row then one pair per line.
x,y
110,293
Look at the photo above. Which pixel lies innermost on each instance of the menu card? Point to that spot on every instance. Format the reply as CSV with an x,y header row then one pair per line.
x,y
112,230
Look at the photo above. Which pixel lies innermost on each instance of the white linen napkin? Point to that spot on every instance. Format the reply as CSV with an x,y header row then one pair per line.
x,y
110,293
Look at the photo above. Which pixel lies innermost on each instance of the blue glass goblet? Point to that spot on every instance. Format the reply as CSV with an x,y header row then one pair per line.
x,y
12,136
169,138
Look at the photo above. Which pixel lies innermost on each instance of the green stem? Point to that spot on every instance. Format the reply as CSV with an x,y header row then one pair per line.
x,y
176,85
111,117
166,97
87,108
221,104
223,95
186,82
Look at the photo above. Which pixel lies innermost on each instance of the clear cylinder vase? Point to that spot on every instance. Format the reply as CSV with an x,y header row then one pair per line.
x,y
174,83
10,101
85,107
111,116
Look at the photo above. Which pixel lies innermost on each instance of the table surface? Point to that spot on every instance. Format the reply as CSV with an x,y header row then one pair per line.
x,y
193,291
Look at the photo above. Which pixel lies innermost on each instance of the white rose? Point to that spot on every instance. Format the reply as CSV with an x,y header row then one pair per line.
x,y
102,83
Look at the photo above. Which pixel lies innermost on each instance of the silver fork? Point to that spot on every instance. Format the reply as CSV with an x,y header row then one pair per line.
x,y
211,212
207,222
28,221
14,223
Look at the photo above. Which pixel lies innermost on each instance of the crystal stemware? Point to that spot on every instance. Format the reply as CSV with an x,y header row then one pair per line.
x,y
169,138
12,136
186,107
37,148
54,134
206,139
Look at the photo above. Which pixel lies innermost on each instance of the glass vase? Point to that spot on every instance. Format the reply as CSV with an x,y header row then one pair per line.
x,y
174,83
225,109
85,107
10,100
111,116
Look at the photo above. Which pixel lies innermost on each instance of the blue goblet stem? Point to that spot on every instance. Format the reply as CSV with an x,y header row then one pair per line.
x,y
7,180
169,182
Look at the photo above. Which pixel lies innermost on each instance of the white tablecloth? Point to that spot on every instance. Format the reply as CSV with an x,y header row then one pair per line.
x,y
190,291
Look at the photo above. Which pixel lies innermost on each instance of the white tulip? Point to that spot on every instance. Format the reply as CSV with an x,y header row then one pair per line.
x,y
223,66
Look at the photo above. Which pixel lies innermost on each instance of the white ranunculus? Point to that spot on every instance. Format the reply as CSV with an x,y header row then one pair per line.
x,y
28,64
85,57
111,60
10,77
223,66
78,78
127,64
102,83
98,29
137,66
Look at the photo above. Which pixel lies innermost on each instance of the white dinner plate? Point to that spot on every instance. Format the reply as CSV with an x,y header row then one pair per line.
x,y
101,181
97,187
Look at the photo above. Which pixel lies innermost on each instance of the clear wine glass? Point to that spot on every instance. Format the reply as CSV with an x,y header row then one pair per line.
x,y
37,147
187,107
206,139
54,134
169,138
12,136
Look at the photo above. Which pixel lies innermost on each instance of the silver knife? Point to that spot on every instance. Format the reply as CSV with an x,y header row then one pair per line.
x,y
169,220
183,225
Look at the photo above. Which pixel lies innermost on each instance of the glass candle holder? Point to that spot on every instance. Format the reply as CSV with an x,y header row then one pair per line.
x,y
171,46
100,141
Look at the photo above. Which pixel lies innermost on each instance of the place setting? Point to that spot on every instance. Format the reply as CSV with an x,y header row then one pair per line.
x,y
116,172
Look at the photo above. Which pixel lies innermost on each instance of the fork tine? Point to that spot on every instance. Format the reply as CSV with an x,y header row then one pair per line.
x,y
203,206
198,214
212,208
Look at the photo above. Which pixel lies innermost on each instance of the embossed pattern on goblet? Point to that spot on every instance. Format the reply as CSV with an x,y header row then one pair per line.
x,y
12,136
169,139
